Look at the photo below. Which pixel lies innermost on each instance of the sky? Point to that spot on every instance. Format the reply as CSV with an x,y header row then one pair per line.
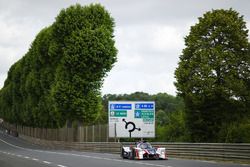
x,y
149,36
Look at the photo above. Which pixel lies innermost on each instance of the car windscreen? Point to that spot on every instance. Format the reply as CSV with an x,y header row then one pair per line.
x,y
145,146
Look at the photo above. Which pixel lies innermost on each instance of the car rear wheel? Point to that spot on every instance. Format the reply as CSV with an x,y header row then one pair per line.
x,y
132,154
122,153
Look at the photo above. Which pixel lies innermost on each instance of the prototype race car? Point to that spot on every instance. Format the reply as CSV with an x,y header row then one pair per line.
x,y
143,150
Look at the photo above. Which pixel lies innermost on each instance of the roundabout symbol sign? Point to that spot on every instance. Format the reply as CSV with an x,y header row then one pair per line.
x,y
132,119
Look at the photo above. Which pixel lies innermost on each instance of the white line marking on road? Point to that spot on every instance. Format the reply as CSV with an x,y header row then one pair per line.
x,y
34,159
142,163
46,162
85,156
19,155
12,144
61,166
27,157
213,162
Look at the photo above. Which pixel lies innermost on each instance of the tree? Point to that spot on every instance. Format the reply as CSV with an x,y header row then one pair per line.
x,y
168,103
88,54
60,77
214,72
173,128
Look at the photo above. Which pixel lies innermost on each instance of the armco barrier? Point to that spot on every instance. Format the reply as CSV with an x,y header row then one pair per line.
x,y
107,147
208,151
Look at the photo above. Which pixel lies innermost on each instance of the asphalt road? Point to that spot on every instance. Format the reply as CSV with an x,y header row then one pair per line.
x,y
15,152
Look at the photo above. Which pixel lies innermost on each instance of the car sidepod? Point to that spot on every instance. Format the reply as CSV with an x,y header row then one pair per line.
x,y
139,153
162,153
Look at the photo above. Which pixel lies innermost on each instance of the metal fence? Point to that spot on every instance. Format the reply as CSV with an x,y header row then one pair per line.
x,y
95,133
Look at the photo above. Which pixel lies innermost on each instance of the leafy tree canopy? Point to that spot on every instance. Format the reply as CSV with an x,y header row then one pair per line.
x,y
214,73
60,77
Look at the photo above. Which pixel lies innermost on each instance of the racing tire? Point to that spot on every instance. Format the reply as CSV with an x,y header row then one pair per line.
x,y
122,153
132,154
157,157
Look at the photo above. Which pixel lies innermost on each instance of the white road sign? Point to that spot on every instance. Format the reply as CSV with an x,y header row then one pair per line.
x,y
132,119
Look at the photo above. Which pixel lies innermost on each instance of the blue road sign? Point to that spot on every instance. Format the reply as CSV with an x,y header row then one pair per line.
x,y
144,106
120,106
137,113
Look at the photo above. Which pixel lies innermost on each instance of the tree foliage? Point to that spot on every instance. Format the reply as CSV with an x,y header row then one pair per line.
x,y
171,127
214,73
60,77
163,101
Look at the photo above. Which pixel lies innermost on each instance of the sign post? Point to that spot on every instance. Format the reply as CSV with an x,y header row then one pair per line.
x,y
132,119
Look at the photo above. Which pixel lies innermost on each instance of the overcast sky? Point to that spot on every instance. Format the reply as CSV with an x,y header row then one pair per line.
x,y
149,36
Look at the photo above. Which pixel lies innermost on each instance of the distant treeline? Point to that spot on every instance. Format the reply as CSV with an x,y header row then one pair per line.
x,y
58,80
163,101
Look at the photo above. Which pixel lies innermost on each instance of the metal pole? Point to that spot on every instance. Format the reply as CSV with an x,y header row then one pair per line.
x,y
93,133
115,132
107,133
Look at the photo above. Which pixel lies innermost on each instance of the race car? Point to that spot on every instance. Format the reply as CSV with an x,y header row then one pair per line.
x,y
143,150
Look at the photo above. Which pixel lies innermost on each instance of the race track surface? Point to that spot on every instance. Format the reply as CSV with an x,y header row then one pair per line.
x,y
15,152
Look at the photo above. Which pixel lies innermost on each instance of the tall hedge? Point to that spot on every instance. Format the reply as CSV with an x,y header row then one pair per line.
x,y
60,77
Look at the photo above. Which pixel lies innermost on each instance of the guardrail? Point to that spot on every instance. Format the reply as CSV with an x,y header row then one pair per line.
x,y
236,152
208,151
107,147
